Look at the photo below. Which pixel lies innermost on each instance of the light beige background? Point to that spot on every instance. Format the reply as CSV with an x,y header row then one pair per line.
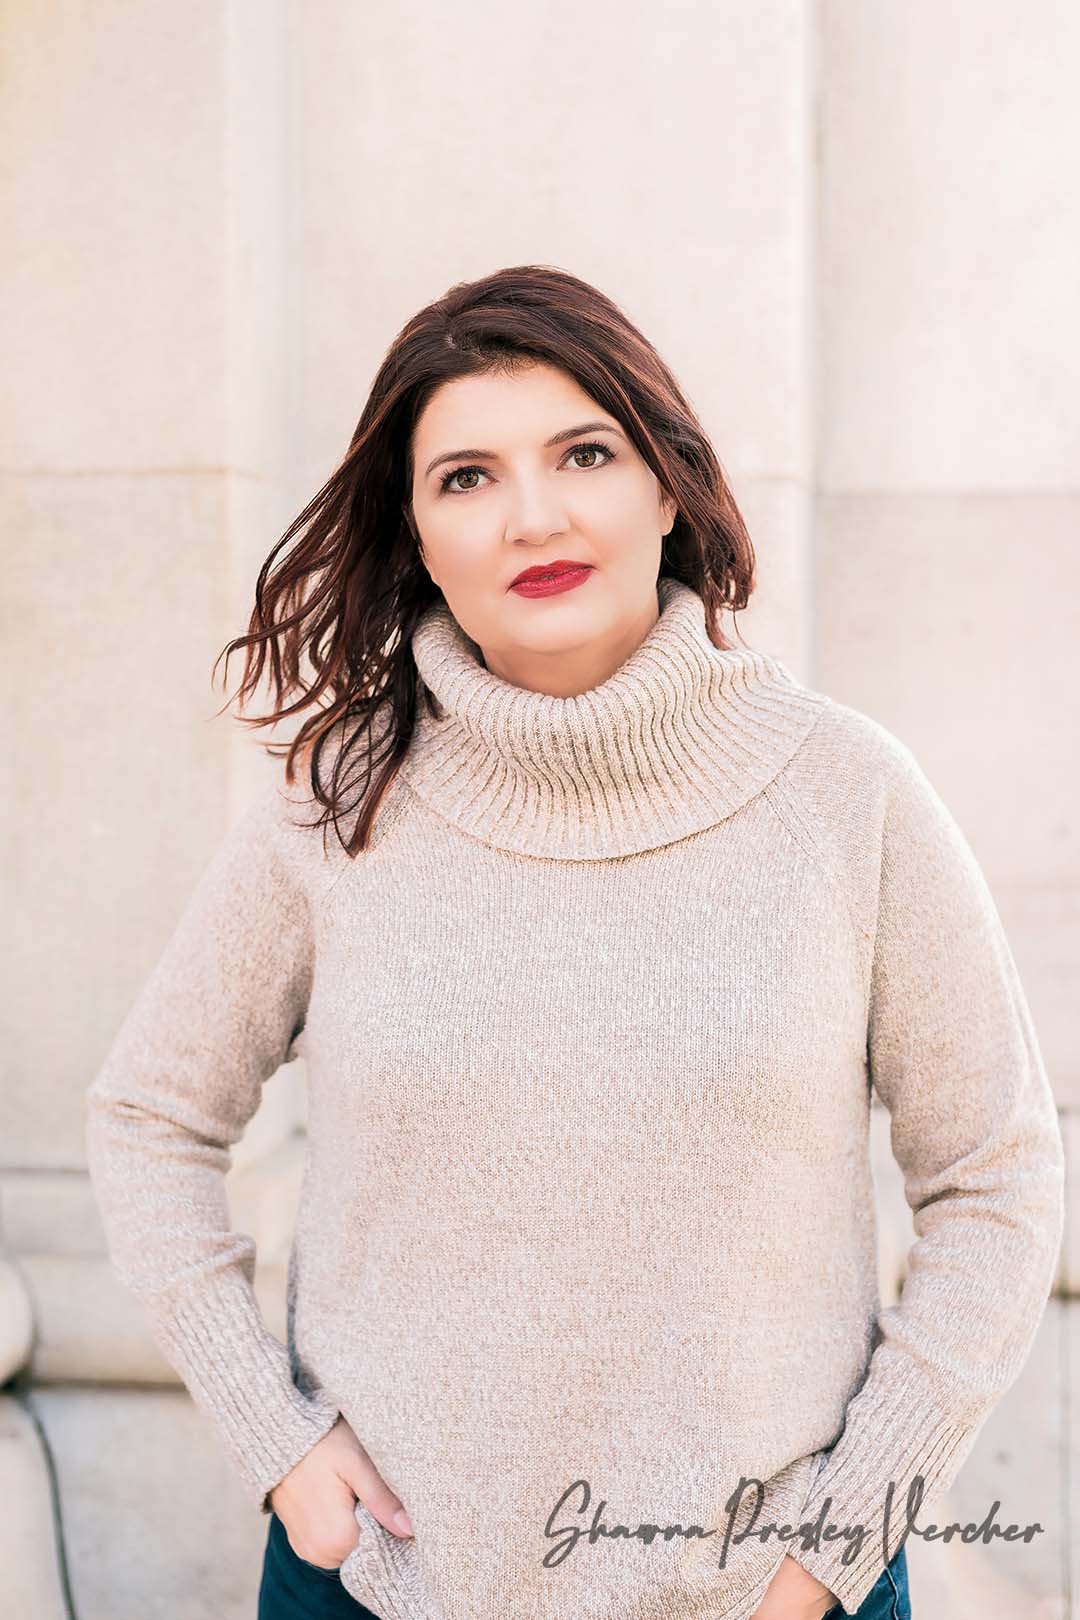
x,y
852,227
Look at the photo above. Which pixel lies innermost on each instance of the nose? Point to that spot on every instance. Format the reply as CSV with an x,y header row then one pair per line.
x,y
535,511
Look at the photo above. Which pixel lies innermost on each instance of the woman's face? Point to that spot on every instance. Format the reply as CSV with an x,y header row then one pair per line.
x,y
502,482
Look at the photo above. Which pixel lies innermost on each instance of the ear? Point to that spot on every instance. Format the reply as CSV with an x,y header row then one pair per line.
x,y
669,511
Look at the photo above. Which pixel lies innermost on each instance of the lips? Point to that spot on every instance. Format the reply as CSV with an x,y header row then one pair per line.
x,y
553,570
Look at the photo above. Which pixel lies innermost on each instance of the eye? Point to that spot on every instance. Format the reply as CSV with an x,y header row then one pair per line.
x,y
593,445
575,450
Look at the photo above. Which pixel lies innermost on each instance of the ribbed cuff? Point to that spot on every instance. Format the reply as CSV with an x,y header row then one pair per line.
x,y
894,1431
213,1333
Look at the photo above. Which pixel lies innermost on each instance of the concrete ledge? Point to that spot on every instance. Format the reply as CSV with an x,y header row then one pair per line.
x,y
29,1552
89,1328
155,1523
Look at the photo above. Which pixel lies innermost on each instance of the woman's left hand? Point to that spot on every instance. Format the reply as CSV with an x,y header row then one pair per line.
x,y
794,1594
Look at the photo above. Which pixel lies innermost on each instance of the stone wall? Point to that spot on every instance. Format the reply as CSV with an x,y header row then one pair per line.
x,y
851,228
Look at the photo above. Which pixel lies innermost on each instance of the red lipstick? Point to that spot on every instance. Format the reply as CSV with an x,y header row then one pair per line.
x,y
547,579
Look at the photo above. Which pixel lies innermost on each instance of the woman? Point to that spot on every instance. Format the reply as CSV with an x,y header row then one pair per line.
x,y
620,927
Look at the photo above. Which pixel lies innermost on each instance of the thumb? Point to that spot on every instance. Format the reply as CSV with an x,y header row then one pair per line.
x,y
381,1502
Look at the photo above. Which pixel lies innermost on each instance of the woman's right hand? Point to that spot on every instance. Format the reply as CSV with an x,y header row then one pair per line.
x,y
317,1498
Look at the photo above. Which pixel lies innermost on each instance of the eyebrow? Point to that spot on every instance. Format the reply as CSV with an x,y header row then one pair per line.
x,y
556,438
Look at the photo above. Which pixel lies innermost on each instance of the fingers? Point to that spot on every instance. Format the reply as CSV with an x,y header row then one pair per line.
x,y
381,1502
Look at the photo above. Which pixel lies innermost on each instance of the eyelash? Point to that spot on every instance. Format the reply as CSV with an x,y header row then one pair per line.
x,y
589,444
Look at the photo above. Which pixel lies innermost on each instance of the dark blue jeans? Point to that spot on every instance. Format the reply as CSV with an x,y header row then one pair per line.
x,y
293,1589
887,1599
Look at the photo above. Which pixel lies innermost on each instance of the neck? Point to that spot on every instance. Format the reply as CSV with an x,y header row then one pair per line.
x,y
569,674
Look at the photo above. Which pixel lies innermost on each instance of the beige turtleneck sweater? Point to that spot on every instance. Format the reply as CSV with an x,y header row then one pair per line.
x,y
587,1226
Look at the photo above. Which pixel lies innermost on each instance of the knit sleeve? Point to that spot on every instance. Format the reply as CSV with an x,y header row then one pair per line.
x,y
954,1058
182,1077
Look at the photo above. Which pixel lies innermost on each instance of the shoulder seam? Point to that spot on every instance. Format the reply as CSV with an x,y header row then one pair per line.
x,y
779,797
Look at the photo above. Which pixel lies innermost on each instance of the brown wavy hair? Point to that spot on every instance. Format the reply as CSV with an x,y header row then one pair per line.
x,y
349,593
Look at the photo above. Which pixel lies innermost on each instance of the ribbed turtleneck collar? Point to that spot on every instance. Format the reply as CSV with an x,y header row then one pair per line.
x,y
680,736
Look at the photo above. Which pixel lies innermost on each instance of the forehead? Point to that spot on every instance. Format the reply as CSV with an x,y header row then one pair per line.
x,y
534,401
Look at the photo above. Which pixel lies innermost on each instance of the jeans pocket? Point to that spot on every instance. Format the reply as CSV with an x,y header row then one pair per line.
x,y
886,1600
289,1552
901,1597
330,1574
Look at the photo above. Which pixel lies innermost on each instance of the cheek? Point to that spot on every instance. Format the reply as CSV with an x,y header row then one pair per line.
x,y
626,502
622,525
453,540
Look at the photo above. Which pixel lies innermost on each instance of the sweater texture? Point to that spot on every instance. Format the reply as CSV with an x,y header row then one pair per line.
x,y
586,1237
